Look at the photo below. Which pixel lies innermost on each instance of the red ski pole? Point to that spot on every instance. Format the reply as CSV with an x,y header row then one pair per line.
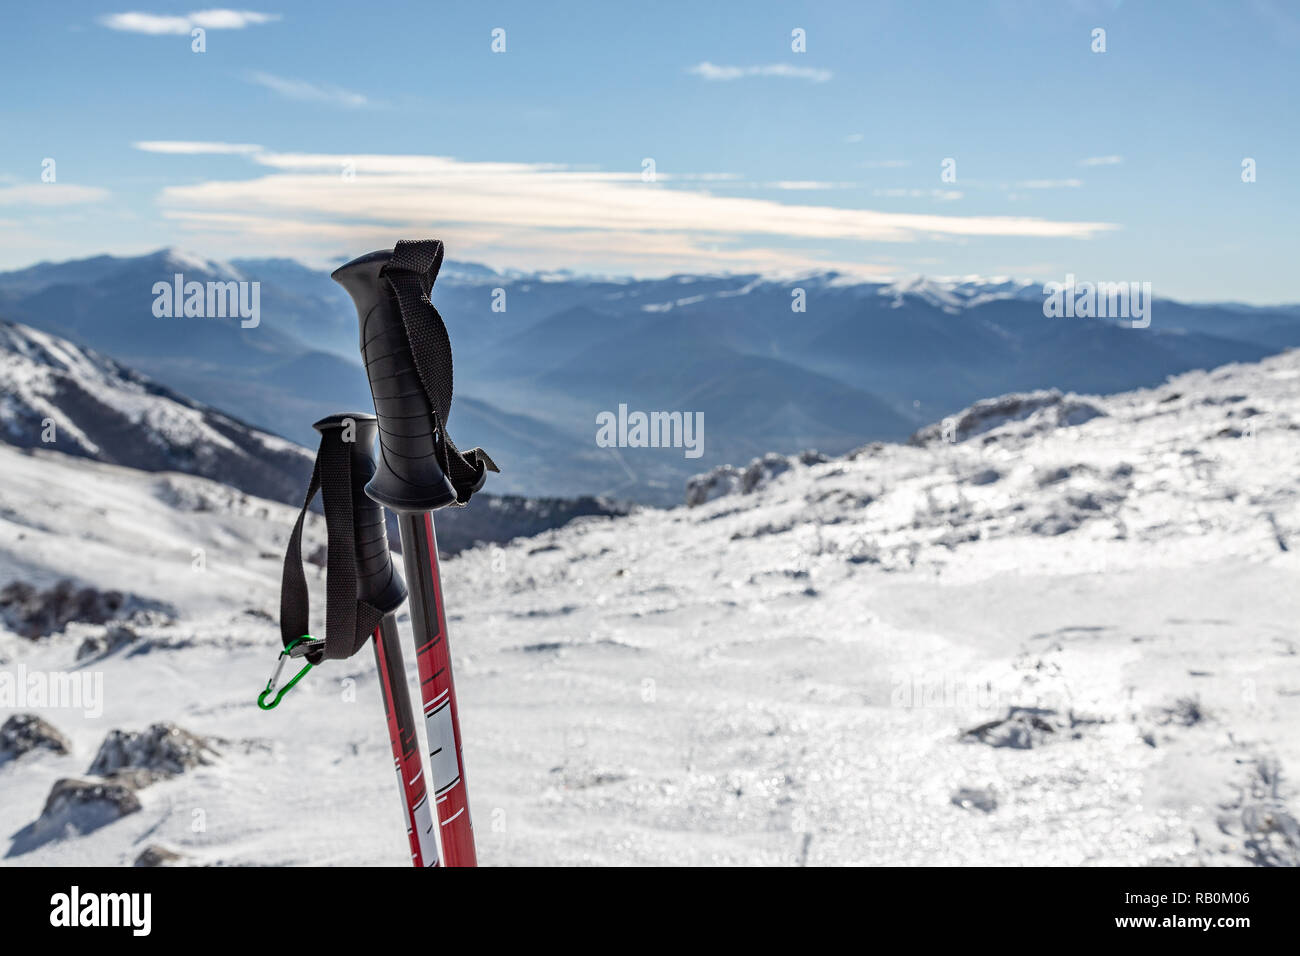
x,y
406,750
407,354
437,688
366,596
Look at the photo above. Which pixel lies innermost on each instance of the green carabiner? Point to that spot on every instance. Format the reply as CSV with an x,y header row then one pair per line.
x,y
275,676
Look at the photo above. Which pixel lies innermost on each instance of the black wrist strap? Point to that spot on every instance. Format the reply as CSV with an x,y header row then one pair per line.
x,y
349,622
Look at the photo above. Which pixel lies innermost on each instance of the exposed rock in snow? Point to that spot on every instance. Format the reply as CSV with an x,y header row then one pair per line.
x,y
728,479
113,639
156,855
1184,712
163,750
1025,727
976,798
1032,411
1260,818
35,613
127,762
23,733
715,483
76,807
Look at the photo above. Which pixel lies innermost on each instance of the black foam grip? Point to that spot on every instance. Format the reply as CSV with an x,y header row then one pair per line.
x,y
378,583
408,477
377,580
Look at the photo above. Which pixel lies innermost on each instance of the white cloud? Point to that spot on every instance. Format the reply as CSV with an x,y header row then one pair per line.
x,y
188,148
711,71
50,194
941,195
807,184
231,19
157,24
886,163
1050,184
854,138
1101,161
546,215
694,177
309,92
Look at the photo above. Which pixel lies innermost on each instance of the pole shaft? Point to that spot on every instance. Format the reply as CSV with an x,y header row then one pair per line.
x,y
405,742
437,689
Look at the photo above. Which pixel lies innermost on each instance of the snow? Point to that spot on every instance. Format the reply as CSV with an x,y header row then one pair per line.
x,y
36,367
953,294
182,260
776,677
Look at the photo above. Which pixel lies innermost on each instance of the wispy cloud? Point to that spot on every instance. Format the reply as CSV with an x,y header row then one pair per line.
x,y
189,148
1101,161
50,194
854,138
941,195
886,163
711,71
547,215
1050,184
522,247
309,92
692,177
159,24
807,184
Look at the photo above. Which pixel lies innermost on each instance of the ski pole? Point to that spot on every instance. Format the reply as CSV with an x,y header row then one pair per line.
x,y
362,589
405,743
407,354
437,688
375,578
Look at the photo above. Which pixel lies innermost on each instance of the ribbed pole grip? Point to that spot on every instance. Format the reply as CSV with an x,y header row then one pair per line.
x,y
378,583
408,478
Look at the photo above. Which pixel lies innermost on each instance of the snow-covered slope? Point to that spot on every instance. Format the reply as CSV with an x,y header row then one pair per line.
x,y
55,394
1046,642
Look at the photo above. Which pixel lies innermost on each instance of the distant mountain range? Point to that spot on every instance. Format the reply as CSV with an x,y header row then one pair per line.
x,y
862,362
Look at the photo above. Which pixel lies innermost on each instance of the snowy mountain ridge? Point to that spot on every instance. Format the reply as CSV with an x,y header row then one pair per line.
x,y
59,395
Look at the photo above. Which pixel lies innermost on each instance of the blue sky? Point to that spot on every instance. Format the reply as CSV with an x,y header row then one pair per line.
x,y
315,131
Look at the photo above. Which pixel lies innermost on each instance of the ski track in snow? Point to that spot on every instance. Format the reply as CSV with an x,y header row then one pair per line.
x,y
777,678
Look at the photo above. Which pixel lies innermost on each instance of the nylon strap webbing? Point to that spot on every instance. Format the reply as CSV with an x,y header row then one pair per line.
x,y
348,621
